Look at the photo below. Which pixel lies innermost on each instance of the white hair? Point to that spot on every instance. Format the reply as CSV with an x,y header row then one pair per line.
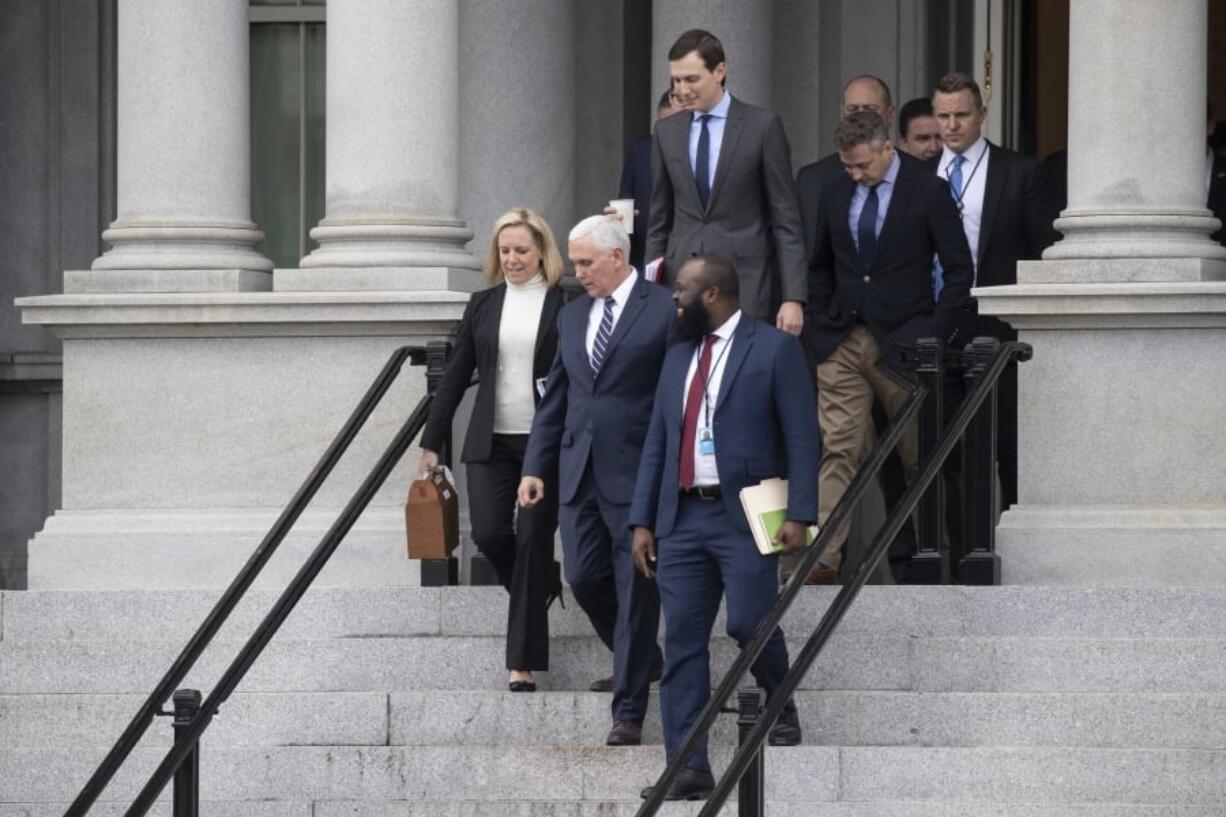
x,y
606,232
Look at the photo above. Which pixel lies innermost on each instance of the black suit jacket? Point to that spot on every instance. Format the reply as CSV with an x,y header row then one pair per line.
x,y
1217,196
636,184
1018,211
893,295
476,347
811,183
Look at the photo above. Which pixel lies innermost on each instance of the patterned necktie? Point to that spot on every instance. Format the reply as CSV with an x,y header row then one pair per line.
x,y
702,162
602,336
693,403
867,228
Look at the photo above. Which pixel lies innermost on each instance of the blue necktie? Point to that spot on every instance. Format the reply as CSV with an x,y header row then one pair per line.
x,y
602,336
702,162
955,177
867,227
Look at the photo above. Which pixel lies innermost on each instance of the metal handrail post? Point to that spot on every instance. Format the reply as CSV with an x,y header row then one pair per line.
x,y
751,791
931,562
979,563
187,777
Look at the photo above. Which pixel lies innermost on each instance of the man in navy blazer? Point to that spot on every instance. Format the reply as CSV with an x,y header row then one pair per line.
x,y
590,427
871,277
734,407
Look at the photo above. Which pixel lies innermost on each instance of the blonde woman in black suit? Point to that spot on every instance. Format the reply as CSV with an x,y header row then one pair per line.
x,y
509,336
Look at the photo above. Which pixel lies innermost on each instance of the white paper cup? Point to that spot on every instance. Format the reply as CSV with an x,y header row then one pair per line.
x,y
625,209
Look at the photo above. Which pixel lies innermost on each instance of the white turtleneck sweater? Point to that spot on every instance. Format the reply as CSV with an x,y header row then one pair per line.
x,y
514,404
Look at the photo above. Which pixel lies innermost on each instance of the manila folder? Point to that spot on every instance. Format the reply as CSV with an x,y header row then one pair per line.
x,y
766,509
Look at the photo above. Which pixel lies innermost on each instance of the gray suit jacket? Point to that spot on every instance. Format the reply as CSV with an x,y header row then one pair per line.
x,y
752,216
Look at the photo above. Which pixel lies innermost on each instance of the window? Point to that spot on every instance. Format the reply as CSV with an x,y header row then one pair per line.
x,y
287,125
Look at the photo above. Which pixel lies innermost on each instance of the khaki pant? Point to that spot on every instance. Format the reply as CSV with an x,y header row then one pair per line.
x,y
847,383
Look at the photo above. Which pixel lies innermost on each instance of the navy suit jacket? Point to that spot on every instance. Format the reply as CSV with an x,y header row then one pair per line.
x,y
892,294
636,184
601,421
765,424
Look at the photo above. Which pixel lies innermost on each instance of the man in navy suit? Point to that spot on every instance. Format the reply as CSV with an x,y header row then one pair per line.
x,y
871,274
734,407
590,427
636,182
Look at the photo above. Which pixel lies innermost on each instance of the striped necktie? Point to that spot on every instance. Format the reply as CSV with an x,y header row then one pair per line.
x,y
601,346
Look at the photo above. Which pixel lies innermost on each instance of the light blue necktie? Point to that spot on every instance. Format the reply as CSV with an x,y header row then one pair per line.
x,y
602,336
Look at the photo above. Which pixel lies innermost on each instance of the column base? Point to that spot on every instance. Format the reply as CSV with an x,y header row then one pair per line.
x,y
1120,270
166,280
1126,544
1095,235
381,279
208,255
405,245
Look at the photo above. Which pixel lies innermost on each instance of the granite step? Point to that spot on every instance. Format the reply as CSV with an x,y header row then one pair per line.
x,y
1021,611
615,808
850,662
807,774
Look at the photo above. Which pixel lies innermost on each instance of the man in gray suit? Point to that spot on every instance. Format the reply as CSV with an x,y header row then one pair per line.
x,y
723,186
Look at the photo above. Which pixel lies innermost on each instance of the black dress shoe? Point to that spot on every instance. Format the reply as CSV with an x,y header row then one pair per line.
x,y
606,684
786,731
625,733
522,686
689,785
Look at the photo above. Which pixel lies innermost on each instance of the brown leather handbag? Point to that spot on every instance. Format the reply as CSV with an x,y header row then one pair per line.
x,y
432,517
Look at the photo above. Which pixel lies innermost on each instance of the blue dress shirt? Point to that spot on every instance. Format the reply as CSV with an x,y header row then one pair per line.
x,y
885,191
715,133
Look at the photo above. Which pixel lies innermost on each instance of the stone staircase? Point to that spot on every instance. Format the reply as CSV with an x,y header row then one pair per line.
x,y
388,702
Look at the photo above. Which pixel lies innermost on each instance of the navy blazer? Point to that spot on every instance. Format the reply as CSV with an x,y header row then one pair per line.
x,y
601,421
476,348
636,184
765,424
892,295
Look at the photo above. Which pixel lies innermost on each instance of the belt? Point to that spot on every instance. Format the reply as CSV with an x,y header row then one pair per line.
x,y
706,493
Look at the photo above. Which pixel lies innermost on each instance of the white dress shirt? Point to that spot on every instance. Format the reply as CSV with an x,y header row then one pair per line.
x,y
514,403
715,133
705,471
596,314
974,185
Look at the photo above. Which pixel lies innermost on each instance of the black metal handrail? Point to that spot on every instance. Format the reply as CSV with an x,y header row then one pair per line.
x,y
751,745
434,356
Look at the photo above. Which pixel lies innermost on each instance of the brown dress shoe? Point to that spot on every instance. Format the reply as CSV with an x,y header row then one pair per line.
x,y
625,733
818,575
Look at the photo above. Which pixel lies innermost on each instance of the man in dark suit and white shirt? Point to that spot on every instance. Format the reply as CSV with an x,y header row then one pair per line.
x,y
722,184
1007,212
872,288
590,426
734,407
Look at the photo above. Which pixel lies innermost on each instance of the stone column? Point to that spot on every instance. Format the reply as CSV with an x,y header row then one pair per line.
x,y
1120,411
517,140
743,26
1139,202
392,159
184,154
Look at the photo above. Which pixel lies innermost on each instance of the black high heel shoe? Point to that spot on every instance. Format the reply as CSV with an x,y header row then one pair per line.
x,y
522,686
555,587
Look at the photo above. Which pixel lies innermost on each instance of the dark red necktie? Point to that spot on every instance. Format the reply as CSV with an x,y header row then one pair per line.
x,y
693,404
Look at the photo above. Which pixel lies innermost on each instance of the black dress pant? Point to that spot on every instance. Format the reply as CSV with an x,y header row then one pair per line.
x,y
519,546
